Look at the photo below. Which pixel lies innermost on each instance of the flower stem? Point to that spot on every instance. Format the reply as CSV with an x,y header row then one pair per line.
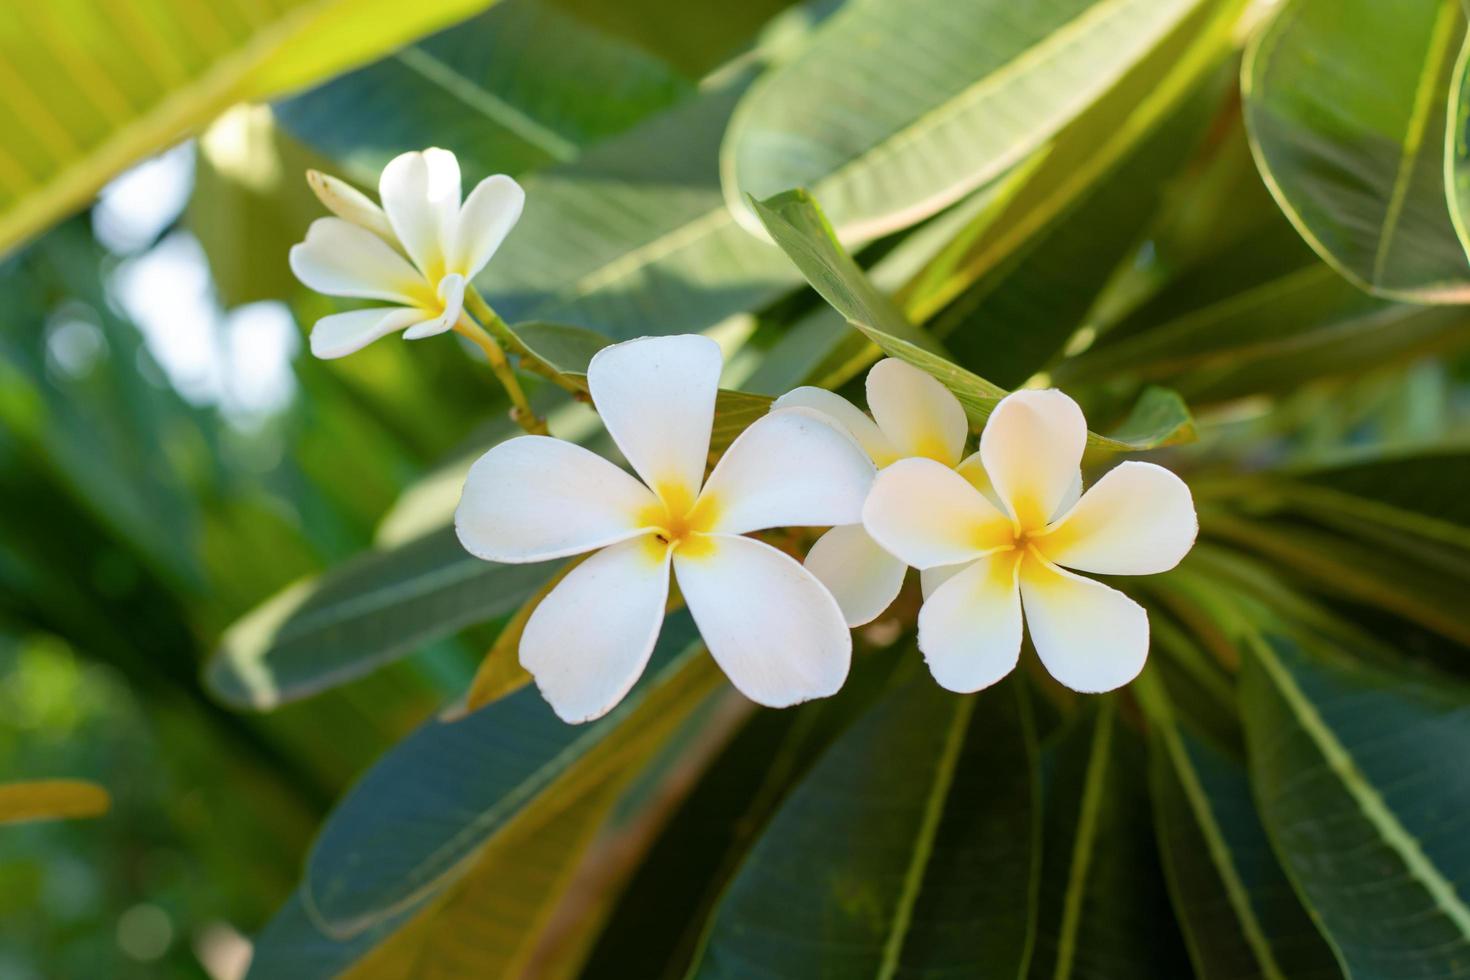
x,y
508,340
521,409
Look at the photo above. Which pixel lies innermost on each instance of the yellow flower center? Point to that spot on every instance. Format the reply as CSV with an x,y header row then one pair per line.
x,y
680,520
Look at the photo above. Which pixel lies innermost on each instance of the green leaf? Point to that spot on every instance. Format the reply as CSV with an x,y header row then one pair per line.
x,y
1102,911
518,87
908,850
51,799
798,226
365,613
1349,767
1346,104
1239,913
417,819
93,89
894,111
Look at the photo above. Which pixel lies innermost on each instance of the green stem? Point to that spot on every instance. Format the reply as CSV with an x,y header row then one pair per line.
x,y
521,409
507,339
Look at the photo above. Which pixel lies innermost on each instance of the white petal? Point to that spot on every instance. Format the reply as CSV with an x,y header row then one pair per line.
x,y
451,294
420,193
862,577
970,628
1138,519
590,638
656,396
930,579
340,259
534,498
350,204
345,333
844,413
488,215
928,515
919,415
1091,637
1032,449
793,468
775,631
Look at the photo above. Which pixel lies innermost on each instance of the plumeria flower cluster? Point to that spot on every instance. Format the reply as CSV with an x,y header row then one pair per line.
x,y
418,251
998,536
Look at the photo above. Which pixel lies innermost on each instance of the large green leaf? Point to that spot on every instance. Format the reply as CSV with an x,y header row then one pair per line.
x,y
1239,913
518,87
91,88
417,819
894,111
1346,102
799,227
1102,909
1357,779
908,850
382,606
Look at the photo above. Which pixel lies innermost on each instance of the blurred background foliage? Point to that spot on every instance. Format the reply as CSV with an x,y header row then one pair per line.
x,y
1255,206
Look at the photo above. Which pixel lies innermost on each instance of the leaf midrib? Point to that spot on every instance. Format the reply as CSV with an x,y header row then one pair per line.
x,y
1086,839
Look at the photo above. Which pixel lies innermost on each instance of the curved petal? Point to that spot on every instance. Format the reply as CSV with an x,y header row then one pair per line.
x,y
862,577
930,579
420,193
488,215
451,294
350,204
590,638
920,416
1091,637
775,631
1032,449
340,259
844,413
345,333
534,498
970,628
656,396
790,469
928,515
1138,519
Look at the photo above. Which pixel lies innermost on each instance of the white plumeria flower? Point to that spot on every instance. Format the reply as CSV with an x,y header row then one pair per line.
x,y
991,554
913,415
361,253
772,627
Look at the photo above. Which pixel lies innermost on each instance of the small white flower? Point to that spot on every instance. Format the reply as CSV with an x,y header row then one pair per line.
x,y
361,252
913,415
991,554
772,627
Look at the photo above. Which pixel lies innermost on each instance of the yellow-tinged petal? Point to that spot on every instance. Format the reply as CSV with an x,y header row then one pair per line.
x,y
1090,637
590,638
420,194
345,333
970,627
656,396
843,413
928,515
350,204
534,498
775,631
1139,519
1032,450
919,415
488,215
792,468
340,259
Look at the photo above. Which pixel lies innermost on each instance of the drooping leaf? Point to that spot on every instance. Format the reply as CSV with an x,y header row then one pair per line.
x,y
798,226
92,89
893,112
382,606
1238,911
908,850
1349,770
515,88
1346,103
51,799
1102,909
416,820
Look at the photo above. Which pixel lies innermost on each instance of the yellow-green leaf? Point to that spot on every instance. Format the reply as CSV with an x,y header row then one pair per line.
x,y
51,799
